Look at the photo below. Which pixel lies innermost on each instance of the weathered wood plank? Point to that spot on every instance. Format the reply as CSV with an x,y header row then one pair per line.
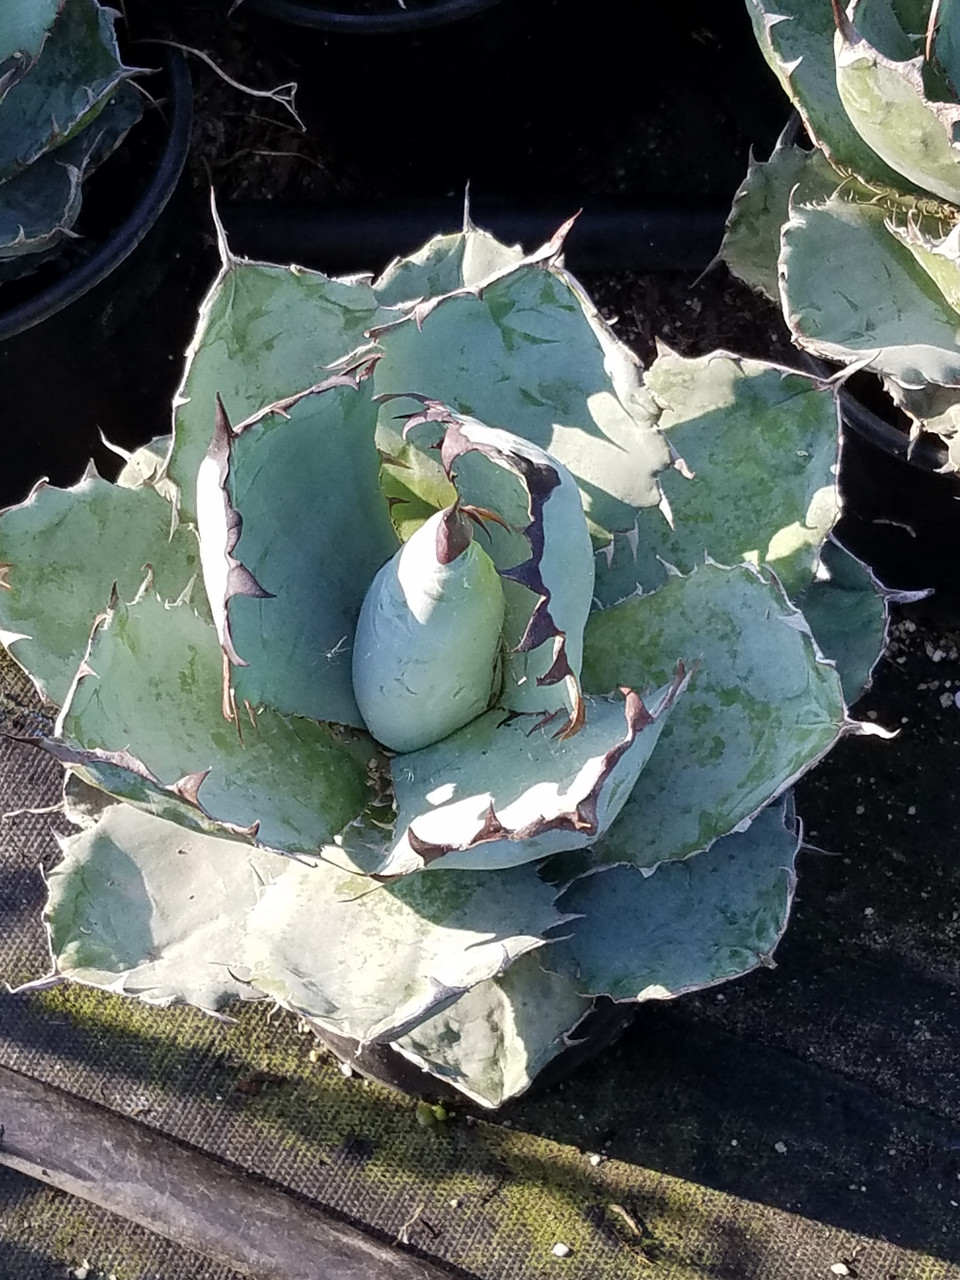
x,y
177,1192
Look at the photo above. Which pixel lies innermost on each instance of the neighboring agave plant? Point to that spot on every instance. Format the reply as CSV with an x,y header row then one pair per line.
x,y
859,239
66,102
495,635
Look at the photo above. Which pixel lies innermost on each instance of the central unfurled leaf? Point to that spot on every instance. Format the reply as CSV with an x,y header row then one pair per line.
x,y
428,637
541,546
507,790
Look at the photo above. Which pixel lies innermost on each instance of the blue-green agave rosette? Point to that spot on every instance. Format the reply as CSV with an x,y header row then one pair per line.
x,y
859,238
403,682
66,103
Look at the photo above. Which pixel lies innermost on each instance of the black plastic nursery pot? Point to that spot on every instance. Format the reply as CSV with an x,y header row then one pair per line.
x,y
85,340
530,98
901,510
369,17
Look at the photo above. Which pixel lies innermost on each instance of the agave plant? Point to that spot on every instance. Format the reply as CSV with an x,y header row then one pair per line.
x,y
66,102
859,238
494,635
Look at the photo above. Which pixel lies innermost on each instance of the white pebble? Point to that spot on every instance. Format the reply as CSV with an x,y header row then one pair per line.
x,y
780,1147
561,1250
840,1269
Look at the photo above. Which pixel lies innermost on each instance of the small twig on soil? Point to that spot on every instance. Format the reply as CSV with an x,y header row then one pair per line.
x,y
21,813
284,94
403,1235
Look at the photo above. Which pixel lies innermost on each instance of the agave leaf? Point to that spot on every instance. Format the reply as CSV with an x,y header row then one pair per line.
x,y
372,964
751,239
493,1042
761,707
304,484
528,353
264,332
39,206
70,84
144,908
848,615
946,45
499,792
545,557
939,256
796,38
24,26
761,443
427,646
150,685
444,264
854,292
62,550
932,408
888,105
101,777
413,482
691,924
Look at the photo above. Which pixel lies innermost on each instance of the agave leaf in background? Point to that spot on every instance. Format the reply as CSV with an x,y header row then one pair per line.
x,y
751,239
776,431
150,685
425,941
24,26
311,545
264,332
847,612
529,354
946,45
932,408
887,104
39,206
796,38
937,254
761,706
145,908
855,293
61,551
79,70
691,924
494,1041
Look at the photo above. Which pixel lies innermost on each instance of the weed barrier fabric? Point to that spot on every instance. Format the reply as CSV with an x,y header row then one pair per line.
x,y
720,1137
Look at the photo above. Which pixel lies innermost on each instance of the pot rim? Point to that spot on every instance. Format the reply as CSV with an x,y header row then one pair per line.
x,y
325,15
122,242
